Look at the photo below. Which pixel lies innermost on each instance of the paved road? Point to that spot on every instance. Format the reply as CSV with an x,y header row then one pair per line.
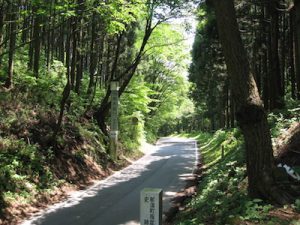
x,y
115,200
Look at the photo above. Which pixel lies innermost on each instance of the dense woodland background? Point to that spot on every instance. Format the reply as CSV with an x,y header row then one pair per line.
x,y
270,32
58,57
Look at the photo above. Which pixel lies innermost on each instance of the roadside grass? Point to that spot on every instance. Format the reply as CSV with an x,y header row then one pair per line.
x,y
222,192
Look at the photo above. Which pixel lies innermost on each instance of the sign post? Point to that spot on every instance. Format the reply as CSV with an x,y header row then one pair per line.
x,y
151,206
114,87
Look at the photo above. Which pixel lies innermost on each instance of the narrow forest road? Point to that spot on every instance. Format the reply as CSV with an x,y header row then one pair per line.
x,y
115,200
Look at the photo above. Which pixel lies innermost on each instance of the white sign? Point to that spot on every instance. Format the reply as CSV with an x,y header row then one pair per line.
x,y
114,85
151,206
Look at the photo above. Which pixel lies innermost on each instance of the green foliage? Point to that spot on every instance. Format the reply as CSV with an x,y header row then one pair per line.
x,y
93,142
163,71
45,89
207,72
88,43
281,120
228,141
118,14
134,107
132,131
222,197
297,205
256,210
23,167
28,117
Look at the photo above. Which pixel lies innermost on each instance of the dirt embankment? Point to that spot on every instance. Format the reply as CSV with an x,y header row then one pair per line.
x,y
80,175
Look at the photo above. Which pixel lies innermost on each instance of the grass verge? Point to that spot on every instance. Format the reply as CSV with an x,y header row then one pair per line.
x,y
222,192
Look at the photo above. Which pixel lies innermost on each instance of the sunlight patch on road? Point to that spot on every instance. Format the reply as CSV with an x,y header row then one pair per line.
x,y
170,193
135,170
184,176
132,223
124,175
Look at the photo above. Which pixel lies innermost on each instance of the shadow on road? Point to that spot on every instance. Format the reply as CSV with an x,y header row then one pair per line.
x,y
115,200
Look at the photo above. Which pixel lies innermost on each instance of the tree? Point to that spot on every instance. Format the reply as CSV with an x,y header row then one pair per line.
x,y
156,13
2,18
207,71
251,116
162,70
297,43
12,42
276,94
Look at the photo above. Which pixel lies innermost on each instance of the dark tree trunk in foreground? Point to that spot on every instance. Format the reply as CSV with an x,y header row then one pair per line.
x,y
251,116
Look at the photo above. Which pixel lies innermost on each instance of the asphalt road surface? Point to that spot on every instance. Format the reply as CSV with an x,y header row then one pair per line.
x,y
115,200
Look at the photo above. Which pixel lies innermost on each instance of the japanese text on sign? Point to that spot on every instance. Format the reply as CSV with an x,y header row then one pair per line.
x,y
151,207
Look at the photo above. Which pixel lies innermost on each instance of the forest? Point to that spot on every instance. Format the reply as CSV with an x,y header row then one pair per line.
x,y
237,91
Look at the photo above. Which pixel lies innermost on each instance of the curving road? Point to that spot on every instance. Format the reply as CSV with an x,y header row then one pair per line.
x,y
115,200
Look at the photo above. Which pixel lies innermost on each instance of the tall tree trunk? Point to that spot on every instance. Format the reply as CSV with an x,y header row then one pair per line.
x,y
93,56
251,116
12,44
26,25
265,69
74,53
49,36
62,42
276,99
283,54
67,90
297,44
2,16
232,111
79,49
292,54
227,102
30,52
79,73
65,97
37,42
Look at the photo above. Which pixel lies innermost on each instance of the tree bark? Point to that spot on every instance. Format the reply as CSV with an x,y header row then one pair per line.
x,y
283,54
74,54
12,44
2,17
292,55
93,56
79,49
265,69
30,52
67,90
232,110
37,43
251,116
276,99
26,25
62,42
227,103
297,44
49,35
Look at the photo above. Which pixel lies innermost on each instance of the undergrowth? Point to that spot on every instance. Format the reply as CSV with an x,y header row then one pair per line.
x,y
222,197
31,162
